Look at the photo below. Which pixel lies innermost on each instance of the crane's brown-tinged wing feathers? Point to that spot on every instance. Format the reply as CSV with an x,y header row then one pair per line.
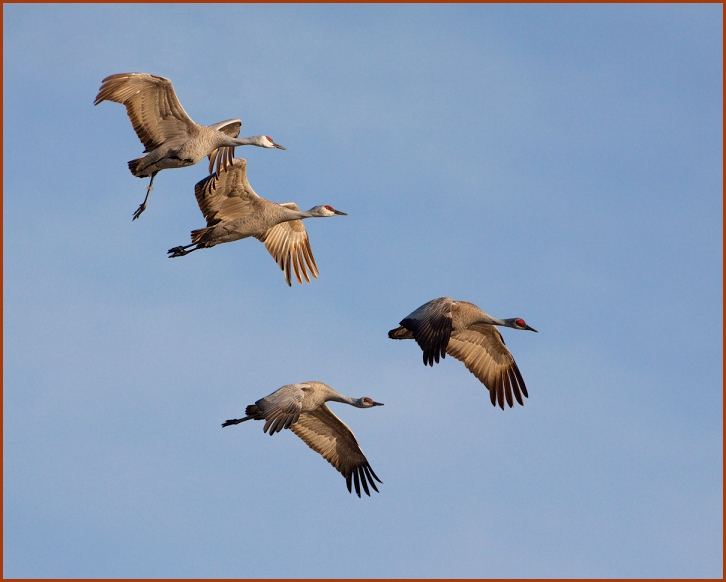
x,y
281,408
151,104
289,245
226,196
230,127
329,436
431,328
224,156
482,349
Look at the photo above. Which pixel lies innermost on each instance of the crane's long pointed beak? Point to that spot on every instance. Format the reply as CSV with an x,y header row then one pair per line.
x,y
278,146
378,404
530,329
340,213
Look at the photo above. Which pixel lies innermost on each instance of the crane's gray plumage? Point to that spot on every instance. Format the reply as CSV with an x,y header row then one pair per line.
x,y
171,139
302,409
462,330
234,211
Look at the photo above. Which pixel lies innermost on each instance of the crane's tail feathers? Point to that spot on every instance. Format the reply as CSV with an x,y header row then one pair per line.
x,y
400,333
253,411
198,235
135,170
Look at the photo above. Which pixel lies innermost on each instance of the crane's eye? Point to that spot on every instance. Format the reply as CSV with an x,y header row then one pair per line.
x,y
333,210
520,322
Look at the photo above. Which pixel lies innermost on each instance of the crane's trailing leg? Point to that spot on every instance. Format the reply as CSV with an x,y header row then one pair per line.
x,y
180,251
235,421
141,208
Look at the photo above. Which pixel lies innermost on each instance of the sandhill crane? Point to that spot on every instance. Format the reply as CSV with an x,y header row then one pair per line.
x,y
234,211
462,330
171,139
302,409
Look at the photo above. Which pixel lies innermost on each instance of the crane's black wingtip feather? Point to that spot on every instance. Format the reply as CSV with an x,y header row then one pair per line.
x,y
369,471
356,482
364,481
374,474
518,374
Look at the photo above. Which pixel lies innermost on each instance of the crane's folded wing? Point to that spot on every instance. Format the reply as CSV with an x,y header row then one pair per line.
x,y
226,196
281,408
431,327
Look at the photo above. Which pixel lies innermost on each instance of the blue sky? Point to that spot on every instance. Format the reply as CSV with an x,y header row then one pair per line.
x,y
562,164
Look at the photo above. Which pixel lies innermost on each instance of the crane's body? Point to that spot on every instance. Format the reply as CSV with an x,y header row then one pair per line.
x,y
302,408
463,330
182,151
170,137
234,211
263,215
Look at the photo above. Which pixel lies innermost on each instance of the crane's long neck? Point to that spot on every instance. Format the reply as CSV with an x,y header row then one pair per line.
x,y
466,314
343,399
314,212
227,141
291,214
241,141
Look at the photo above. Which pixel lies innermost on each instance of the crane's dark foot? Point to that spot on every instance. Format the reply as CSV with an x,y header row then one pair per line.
x,y
177,252
139,210
233,421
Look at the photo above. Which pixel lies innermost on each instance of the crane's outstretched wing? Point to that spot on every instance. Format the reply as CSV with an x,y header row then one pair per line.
x,y
431,328
289,245
326,434
151,104
231,127
226,196
482,349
